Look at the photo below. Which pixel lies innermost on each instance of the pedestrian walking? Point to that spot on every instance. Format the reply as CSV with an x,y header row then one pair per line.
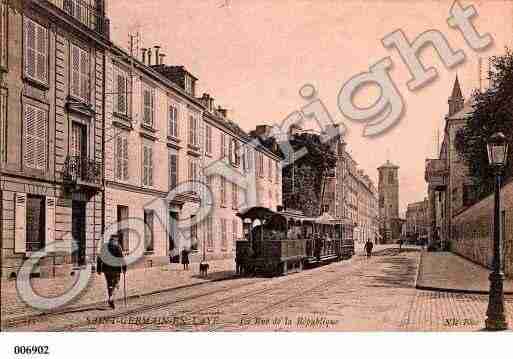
x,y
185,259
111,263
368,248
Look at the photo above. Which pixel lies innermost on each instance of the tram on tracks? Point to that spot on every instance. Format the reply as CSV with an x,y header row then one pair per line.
x,y
277,243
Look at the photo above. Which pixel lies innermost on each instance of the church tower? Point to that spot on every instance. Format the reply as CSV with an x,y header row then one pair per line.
x,y
456,100
388,189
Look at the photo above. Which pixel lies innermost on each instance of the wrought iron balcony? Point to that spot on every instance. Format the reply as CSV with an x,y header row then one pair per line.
x,y
91,16
80,170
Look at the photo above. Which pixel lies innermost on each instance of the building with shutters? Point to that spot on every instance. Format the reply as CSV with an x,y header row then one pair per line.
x,y
51,141
153,142
351,194
91,135
159,136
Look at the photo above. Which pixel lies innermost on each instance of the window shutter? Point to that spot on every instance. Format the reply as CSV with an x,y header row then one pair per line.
x,y
173,121
230,151
3,32
30,48
223,139
199,133
84,70
121,94
115,88
125,159
191,131
50,221
41,139
119,156
20,215
30,142
75,71
172,171
42,49
150,166
148,106
145,165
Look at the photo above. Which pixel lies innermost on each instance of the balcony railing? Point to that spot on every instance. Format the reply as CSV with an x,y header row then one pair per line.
x,y
89,15
82,170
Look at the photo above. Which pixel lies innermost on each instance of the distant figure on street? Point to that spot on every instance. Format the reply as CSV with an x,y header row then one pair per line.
x,y
368,248
185,259
111,262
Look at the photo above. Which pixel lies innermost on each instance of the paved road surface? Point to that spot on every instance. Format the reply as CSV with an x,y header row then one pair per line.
x,y
355,295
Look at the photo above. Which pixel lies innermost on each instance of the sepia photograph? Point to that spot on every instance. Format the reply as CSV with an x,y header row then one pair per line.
x,y
222,170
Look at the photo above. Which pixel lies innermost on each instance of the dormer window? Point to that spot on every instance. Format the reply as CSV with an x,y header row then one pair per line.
x,y
189,85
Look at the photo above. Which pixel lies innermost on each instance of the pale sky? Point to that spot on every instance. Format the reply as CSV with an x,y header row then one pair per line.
x,y
253,56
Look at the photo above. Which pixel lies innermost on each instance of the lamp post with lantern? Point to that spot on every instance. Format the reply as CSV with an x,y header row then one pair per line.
x,y
497,147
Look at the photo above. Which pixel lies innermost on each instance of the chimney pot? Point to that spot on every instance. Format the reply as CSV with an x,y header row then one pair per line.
x,y
157,53
149,57
161,60
144,50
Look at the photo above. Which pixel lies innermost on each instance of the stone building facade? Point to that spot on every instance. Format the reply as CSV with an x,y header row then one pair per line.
x,y
51,140
450,189
351,194
388,188
417,220
161,136
453,212
91,136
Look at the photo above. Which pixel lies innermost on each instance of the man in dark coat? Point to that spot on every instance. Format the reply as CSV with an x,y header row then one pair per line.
x,y
368,248
185,259
111,262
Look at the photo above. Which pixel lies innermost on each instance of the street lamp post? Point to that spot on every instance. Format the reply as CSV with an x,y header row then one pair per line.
x,y
497,154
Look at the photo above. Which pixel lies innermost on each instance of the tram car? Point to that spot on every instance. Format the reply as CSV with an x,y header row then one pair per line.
x,y
277,243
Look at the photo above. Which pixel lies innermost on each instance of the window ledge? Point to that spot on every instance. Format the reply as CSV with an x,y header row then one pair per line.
x,y
36,83
149,253
122,116
173,138
147,127
193,147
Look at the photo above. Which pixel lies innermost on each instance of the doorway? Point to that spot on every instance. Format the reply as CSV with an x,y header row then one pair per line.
x,y
78,227
174,254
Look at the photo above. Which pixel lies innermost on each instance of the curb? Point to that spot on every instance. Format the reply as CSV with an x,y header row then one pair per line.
x,y
13,321
449,290
417,275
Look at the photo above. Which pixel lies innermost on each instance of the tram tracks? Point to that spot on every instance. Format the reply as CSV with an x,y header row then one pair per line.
x,y
239,298
55,320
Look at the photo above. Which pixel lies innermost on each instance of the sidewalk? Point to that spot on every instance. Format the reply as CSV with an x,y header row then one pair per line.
x,y
139,282
445,271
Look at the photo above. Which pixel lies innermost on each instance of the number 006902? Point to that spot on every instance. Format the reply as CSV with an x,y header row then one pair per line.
x,y
31,349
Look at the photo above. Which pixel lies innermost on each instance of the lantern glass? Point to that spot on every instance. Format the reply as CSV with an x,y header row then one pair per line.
x,y
497,150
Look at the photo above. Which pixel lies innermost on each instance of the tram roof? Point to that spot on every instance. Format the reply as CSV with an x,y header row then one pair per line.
x,y
256,213
265,213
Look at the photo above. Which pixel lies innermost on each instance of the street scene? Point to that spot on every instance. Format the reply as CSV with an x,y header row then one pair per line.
x,y
377,293
254,166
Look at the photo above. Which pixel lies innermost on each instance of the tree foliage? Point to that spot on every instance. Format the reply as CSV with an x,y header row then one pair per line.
x,y
303,180
16,5
492,112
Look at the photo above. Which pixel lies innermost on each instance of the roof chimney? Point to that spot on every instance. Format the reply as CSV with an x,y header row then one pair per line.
x,y
149,57
222,111
161,60
157,52
144,50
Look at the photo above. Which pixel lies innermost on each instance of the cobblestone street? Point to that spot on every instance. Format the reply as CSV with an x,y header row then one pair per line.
x,y
356,295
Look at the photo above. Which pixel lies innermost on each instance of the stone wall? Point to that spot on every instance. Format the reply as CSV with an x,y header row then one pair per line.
x,y
472,230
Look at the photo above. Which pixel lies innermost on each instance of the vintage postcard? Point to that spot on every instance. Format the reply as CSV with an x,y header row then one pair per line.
x,y
254,166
